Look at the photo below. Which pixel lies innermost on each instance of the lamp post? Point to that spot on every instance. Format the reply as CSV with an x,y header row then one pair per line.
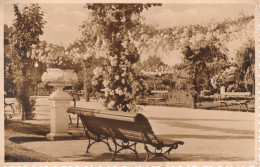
x,y
36,65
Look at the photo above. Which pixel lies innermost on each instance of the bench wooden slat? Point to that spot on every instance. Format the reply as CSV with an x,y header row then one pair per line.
x,y
129,134
95,127
155,98
102,114
88,111
238,101
159,91
236,93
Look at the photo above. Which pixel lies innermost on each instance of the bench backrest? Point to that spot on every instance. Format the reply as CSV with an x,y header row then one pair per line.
x,y
121,125
95,125
159,91
237,96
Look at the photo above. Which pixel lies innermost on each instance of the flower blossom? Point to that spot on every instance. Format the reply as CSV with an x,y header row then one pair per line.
x,y
106,83
94,82
125,44
98,71
111,104
117,77
119,91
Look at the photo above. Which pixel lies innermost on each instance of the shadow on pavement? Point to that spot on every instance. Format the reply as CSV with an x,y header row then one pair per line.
x,y
222,137
106,157
19,140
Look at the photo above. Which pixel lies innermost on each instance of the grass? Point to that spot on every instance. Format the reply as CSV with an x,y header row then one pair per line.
x,y
17,132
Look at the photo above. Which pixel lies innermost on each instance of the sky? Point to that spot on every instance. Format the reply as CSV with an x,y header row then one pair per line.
x,y
63,20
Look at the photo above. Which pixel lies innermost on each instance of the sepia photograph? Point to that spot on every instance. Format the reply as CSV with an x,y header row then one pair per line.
x,y
130,82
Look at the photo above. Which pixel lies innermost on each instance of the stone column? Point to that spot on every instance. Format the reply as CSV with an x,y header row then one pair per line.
x,y
59,103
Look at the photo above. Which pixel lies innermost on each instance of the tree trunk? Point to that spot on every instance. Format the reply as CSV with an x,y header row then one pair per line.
x,y
87,95
195,100
22,93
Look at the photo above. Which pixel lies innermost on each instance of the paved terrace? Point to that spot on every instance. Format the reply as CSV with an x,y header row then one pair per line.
x,y
209,135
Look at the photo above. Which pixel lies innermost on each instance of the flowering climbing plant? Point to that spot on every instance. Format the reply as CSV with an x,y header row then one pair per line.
x,y
56,56
111,27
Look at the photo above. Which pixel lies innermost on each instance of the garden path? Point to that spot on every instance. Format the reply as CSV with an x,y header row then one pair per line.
x,y
209,135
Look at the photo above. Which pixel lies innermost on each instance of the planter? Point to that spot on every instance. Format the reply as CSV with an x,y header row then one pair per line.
x,y
59,79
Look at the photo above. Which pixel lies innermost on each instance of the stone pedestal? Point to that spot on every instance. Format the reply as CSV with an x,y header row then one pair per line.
x,y
59,103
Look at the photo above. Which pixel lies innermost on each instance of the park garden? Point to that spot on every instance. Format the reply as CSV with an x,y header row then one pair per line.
x,y
104,65
107,58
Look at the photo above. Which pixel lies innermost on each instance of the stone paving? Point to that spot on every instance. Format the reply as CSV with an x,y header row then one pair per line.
x,y
208,135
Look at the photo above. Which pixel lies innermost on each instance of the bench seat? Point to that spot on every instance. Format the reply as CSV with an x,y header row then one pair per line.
x,y
153,99
234,98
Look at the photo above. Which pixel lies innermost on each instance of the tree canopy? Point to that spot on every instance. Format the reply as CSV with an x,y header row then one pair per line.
x,y
27,27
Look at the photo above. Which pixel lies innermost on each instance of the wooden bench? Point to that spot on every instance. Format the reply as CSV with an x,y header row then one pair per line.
x,y
6,114
160,99
234,98
129,128
154,99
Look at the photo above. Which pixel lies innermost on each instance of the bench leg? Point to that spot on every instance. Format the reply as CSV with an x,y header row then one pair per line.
x,y
124,146
98,140
70,119
246,107
226,106
220,105
89,145
12,108
9,115
77,125
160,153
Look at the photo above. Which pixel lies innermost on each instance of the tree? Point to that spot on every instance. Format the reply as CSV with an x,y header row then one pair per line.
x,y
199,65
110,29
28,26
204,47
9,85
245,61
